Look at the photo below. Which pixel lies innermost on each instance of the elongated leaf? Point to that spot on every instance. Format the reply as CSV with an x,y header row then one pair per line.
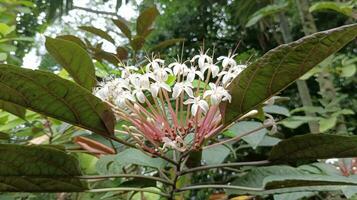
x,y
53,96
164,44
74,59
281,66
343,8
74,39
283,179
38,169
123,27
265,12
98,32
137,43
314,146
13,109
146,19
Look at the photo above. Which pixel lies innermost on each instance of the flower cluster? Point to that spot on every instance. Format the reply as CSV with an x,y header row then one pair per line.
x,y
172,105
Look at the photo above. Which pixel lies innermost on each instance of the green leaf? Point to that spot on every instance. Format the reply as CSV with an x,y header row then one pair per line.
x,y
137,43
38,169
274,109
348,70
280,67
112,164
265,12
269,141
343,8
74,39
13,109
284,179
4,136
253,139
146,19
215,155
6,29
164,44
123,27
326,124
98,32
314,146
74,59
55,97
294,195
296,121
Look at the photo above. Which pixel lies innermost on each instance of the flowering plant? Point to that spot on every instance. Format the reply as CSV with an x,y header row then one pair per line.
x,y
167,102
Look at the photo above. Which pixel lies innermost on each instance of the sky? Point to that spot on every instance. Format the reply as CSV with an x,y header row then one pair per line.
x,y
76,18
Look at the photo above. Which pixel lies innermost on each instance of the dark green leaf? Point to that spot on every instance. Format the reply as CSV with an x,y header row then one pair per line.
x,y
146,19
13,109
74,59
53,96
137,43
4,136
284,179
280,67
164,44
38,169
123,27
98,32
74,39
122,53
314,146
110,57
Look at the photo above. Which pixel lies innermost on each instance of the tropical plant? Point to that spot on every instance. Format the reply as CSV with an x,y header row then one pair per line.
x,y
159,135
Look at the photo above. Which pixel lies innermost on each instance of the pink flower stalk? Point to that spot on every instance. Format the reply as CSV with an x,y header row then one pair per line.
x,y
171,106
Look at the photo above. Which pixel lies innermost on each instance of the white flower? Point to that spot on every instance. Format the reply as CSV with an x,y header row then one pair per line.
x,y
231,73
202,59
217,94
162,73
102,93
197,102
123,97
180,87
155,64
155,87
228,60
127,70
211,67
192,72
138,89
178,68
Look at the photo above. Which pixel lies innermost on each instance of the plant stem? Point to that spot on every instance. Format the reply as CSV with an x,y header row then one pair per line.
x,y
126,176
128,189
236,164
196,187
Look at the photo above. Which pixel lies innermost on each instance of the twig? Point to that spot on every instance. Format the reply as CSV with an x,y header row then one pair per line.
x,y
128,189
196,187
236,164
126,176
